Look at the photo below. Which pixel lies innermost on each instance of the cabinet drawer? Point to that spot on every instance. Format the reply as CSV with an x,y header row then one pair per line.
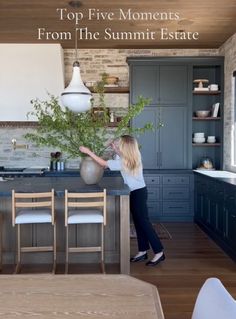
x,y
152,180
154,194
154,208
176,180
175,208
175,193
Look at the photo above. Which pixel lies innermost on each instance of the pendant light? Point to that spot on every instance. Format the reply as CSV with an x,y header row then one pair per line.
x,y
76,95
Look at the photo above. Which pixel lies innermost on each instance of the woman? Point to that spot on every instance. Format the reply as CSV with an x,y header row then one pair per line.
x,y
128,162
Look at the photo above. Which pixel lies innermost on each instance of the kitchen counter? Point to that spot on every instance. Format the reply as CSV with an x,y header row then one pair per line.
x,y
222,176
21,172
113,184
117,241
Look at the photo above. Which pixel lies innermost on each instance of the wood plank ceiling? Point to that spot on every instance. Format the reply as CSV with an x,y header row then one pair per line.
x,y
215,21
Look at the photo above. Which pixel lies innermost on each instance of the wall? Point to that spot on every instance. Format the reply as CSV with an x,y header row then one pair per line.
x,y
28,71
228,49
93,63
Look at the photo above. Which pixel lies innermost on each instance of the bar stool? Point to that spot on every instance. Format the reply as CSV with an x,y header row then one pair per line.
x,y
85,208
33,208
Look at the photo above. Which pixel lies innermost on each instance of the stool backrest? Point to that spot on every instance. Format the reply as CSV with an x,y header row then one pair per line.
x,y
32,200
85,200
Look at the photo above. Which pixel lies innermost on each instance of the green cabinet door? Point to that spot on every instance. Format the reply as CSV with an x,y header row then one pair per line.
x,y
144,81
166,147
173,85
149,141
173,138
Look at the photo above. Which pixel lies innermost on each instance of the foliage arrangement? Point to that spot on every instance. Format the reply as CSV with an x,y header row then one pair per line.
x,y
65,130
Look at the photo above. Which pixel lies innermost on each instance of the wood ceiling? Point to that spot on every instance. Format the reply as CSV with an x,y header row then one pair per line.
x,y
215,22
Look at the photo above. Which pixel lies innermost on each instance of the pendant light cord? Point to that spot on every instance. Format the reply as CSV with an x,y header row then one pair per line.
x,y
76,44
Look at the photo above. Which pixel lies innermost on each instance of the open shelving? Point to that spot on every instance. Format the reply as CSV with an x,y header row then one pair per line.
x,y
113,89
210,126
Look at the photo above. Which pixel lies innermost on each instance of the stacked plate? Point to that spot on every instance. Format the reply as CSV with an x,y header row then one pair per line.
x,y
199,138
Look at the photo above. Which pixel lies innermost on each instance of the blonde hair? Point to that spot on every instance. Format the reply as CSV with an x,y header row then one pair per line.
x,y
130,154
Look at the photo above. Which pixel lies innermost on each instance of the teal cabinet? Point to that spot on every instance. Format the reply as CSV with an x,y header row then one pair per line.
x,y
170,196
166,82
230,212
173,85
145,82
165,148
215,210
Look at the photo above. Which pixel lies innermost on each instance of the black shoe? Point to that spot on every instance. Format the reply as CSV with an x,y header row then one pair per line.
x,y
140,258
154,263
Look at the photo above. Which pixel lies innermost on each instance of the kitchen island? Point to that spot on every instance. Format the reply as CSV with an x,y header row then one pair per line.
x,y
117,243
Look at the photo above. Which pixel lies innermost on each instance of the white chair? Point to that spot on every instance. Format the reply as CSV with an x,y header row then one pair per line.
x,y
214,302
33,208
85,208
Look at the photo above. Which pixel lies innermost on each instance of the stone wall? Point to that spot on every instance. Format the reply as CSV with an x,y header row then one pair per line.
x,y
229,51
93,63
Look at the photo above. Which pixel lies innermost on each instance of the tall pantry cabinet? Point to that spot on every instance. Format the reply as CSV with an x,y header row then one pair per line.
x,y
168,153
167,85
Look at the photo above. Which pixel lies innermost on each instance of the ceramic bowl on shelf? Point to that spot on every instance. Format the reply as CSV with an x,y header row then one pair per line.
x,y
203,113
199,140
211,139
199,134
213,87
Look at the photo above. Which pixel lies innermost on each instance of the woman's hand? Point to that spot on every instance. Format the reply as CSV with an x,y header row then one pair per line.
x,y
84,150
115,147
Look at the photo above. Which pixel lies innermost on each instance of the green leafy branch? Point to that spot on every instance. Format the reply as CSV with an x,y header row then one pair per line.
x,y
61,128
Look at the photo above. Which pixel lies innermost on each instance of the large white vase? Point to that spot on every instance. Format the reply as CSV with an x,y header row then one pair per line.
x,y
90,171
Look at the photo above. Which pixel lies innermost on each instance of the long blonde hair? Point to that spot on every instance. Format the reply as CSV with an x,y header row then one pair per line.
x,y
130,155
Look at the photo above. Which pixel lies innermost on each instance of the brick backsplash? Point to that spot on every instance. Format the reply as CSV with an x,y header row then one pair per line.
x,y
93,63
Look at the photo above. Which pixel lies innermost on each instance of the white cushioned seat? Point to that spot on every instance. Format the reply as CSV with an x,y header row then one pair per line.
x,y
29,216
84,216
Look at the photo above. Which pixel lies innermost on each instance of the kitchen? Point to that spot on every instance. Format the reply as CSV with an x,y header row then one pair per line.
x,y
210,57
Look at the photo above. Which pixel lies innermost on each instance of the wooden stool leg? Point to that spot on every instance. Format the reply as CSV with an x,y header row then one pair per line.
x,y
102,249
17,269
54,247
67,249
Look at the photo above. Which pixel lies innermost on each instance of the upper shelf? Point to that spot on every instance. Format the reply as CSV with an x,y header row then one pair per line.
x,y
206,92
113,89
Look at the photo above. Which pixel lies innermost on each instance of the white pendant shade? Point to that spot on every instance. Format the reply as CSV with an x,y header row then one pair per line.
x,y
76,95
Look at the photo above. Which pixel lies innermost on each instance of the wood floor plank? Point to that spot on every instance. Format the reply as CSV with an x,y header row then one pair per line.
x,y
191,258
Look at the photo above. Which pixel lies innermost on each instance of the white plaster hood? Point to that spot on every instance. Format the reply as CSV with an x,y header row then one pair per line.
x,y
28,71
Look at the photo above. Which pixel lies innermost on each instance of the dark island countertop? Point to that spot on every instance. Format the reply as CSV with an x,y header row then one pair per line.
x,y
114,185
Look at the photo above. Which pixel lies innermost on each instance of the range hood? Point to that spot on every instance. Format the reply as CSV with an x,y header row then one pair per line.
x,y
28,71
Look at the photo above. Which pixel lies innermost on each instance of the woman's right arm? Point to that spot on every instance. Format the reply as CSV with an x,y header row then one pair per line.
x,y
96,158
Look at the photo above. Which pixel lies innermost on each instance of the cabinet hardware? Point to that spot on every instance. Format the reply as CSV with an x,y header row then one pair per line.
x,y
176,207
157,159
160,159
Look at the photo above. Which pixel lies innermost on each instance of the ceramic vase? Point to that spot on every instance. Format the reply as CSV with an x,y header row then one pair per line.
x,y
90,171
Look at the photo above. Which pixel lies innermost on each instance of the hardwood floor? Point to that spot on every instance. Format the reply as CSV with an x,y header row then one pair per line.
x,y
191,258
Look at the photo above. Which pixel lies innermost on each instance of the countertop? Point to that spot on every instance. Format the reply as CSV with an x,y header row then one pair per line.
x,y
114,186
221,176
76,173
